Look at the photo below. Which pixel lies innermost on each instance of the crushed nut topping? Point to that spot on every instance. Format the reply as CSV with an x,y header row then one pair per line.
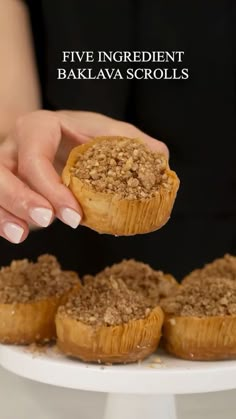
x,y
25,281
106,302
203,297
125,167
224,267
139,277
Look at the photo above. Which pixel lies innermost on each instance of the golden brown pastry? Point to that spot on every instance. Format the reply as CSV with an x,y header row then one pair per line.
x,y
30,294
123,187
141,278
105,322
200,320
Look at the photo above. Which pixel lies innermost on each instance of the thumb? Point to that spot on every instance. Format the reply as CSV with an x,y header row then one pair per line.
x,y
131,131
153,144
82,126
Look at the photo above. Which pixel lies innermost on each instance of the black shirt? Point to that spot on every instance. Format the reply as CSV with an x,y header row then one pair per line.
x,y
195,117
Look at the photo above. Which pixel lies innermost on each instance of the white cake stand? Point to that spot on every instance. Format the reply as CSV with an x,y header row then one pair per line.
x,y
138,391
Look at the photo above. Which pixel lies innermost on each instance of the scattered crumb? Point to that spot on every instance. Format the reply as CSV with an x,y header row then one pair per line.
x,y
157,360
37,348
56,350
156,365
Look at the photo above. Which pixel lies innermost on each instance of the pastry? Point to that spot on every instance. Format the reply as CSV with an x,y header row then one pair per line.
x,y
123,187
30,294
141,278
200,319
105,322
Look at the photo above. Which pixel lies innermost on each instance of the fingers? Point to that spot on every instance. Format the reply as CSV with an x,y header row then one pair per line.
x,y
37,195
19,200
130,130
12,228
154,144
41,176
38,138
8,155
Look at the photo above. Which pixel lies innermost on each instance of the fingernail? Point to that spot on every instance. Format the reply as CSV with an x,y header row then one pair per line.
x,y
13,232
70,217
41,216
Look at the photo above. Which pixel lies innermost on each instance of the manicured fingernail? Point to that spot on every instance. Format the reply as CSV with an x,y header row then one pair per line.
x,y
70,217
13,232
41,216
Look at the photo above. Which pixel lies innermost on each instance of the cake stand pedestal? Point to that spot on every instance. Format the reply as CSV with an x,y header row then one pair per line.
x,y
133,406
137,391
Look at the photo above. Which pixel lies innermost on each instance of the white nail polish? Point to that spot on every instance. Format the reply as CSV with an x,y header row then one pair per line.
x,y
13,232
70,217
41,216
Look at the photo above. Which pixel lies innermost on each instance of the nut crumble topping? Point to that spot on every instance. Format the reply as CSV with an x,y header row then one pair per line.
x,y
203,297
141,278
25,281
224,267
106,302
125,167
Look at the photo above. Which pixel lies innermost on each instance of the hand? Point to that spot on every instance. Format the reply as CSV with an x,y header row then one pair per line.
x,y
31,159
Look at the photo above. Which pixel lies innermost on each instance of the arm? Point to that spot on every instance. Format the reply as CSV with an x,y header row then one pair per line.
x,y
19,86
